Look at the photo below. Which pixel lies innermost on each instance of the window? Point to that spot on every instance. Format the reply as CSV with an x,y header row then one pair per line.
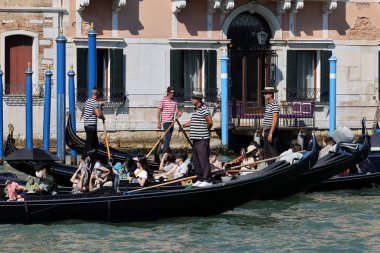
x,y
303,82
193,70
18,53
110,74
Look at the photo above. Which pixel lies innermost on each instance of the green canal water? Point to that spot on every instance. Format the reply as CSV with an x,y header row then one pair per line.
x,y
340,221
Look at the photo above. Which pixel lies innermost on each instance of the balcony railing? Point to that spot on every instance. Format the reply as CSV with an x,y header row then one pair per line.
x,y
317,95
292,114
118,96
184,94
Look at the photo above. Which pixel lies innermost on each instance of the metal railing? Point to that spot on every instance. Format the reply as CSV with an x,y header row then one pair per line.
x,y
292,114
119,96
317,95
15,95
210,95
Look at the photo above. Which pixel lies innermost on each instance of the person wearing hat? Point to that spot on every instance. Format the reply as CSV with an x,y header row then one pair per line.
x,y
140,175
249,157
200,125
270,123
167,108
47,184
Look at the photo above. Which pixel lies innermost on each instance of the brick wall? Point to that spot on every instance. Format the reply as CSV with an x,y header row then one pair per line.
x,y
26,3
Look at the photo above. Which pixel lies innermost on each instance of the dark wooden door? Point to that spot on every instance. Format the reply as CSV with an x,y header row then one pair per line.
x,y
18,53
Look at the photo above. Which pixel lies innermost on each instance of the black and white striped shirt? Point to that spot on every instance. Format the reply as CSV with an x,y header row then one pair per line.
x,y
198,127
90,117
270,109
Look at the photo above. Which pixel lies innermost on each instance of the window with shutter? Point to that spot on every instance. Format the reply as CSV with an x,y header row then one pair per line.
x,y
291,75
325,76
82,69
117,91
210,75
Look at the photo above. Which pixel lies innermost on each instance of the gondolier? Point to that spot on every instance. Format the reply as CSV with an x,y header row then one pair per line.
x,y
270,123
92,112
165,115
200,125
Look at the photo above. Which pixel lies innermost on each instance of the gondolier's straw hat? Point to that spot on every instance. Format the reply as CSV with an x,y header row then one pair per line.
x,y
269,89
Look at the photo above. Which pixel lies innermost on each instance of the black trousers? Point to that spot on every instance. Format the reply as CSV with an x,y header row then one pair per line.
x,y
92,141
271,148
201,153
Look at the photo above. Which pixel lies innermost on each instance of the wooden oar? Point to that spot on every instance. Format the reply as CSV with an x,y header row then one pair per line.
x,y
184,133
260,161
163,184
106,141
162,137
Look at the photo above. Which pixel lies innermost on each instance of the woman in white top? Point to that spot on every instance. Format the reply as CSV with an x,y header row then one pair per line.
x,y
140,175
180,170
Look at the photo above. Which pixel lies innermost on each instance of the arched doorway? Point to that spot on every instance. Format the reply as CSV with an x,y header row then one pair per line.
x,y
18,53
251,68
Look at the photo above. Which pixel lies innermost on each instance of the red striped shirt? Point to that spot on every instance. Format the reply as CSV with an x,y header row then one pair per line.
x,y
168,107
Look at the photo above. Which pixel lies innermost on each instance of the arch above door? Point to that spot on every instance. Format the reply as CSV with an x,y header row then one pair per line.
x,y
267,14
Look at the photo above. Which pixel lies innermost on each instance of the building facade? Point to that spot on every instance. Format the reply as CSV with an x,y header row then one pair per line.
x,y
145,46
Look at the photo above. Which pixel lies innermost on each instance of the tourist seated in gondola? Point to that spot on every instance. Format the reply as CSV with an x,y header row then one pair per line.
x,y
341,134
167,163
292,154
79,180
140,175
47,183
101,177
329,143
179,170
14,191
214,162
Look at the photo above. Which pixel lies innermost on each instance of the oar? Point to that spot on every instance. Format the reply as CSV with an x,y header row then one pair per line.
x,y
183,131
260,161
106,140
163,184
162,137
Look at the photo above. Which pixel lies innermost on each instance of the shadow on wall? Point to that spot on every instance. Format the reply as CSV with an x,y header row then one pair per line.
x,y
314,22
100,13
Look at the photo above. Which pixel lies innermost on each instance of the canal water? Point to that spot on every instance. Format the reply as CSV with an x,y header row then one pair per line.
x,y
339,221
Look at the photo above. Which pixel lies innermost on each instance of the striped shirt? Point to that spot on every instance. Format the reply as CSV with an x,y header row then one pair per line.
x,y
270,109
168,107
198,127
90,117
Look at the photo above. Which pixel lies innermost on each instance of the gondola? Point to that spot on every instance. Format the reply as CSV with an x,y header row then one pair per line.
x,y
365,175
346,156
74,142
105,204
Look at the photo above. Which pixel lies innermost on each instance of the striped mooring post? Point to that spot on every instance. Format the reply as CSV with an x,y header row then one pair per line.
x,y
61,97
71,75
29,107
224,97
47,110
332,119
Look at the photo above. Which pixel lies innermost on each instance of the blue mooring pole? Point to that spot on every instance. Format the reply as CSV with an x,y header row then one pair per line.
x,y
1,117
71,75
29,107
47,110
332,120
91,60
61,96
224,97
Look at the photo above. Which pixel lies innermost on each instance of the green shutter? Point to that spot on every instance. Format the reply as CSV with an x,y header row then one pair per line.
x,y
176,73
82,74
210,76
325,76
291,75
117,80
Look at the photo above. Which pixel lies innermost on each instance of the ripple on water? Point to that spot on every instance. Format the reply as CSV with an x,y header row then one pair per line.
x,y
340,221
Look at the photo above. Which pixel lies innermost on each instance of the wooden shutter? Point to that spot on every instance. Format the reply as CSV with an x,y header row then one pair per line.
x,y
117,80
325,76
291,75
82,70
176,73
210,78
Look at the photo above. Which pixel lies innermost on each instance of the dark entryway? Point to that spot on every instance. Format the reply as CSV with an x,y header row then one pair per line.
x,y
18,53
250,61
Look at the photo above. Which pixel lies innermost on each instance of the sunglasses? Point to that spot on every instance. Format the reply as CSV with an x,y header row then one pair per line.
x,y
172,92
